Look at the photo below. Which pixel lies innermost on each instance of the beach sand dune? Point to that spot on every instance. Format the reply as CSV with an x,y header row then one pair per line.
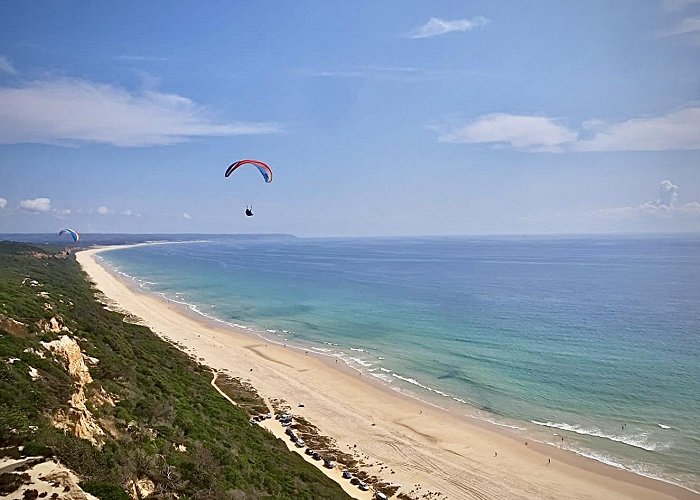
x,y
423,448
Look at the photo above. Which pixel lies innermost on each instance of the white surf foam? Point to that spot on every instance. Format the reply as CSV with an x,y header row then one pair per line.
x,y
638,441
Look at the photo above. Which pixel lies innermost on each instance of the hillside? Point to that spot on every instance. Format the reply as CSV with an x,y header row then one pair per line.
x,y
123,409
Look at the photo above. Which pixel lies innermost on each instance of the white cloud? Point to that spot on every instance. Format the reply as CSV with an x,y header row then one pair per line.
x,y
186,215
679,130
76,111
653,210
436,26
3,203
102,210
128,212
668,192
665,206
6,66
521,132
690,208
36,205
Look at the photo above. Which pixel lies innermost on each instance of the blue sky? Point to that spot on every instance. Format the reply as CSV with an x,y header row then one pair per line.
x,y
378,118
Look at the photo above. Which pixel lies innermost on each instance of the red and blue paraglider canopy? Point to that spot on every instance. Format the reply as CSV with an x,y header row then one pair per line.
x,y
265,170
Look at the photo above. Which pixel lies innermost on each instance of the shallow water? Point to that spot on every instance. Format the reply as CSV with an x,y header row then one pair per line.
x,y
596,340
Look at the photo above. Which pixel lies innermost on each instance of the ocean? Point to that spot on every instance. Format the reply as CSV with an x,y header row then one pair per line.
x,y
595,340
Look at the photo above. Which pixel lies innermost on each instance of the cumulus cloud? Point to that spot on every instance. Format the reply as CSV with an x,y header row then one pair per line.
x,y
436,26
665,206
521,132
36,205
679,130
3,203
668,193
102,210
186,215
6,66
78,111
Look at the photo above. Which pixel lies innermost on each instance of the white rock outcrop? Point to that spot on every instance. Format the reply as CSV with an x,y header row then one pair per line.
x,y
77,419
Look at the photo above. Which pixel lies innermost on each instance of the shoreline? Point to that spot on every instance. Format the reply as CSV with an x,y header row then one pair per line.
x,y
423,444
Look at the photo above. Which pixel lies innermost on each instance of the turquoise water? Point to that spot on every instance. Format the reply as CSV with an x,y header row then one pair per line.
x,y
596,340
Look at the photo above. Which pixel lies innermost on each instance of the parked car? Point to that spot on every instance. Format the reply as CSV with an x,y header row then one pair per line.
x,y
328,463
316,456
363,486
380,496
300,443
347,474
309,451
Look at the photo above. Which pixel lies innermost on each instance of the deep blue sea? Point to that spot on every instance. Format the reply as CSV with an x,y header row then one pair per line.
x,y
593,339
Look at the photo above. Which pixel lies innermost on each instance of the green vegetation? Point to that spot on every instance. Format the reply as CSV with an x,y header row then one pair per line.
x,y
165,402
243,394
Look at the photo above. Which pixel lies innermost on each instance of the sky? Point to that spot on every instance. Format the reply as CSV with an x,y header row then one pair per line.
x,y
378,118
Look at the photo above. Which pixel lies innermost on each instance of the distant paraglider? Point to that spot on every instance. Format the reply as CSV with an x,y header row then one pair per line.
x,y
73,234
264,169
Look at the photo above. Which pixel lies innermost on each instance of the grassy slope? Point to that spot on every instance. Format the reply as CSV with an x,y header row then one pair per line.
x,y
159,388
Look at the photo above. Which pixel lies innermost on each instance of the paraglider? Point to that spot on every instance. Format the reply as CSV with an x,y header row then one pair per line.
x,y
262,167
73,234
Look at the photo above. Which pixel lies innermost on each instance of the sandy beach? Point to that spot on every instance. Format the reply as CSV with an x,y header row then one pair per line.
x,y
428,449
